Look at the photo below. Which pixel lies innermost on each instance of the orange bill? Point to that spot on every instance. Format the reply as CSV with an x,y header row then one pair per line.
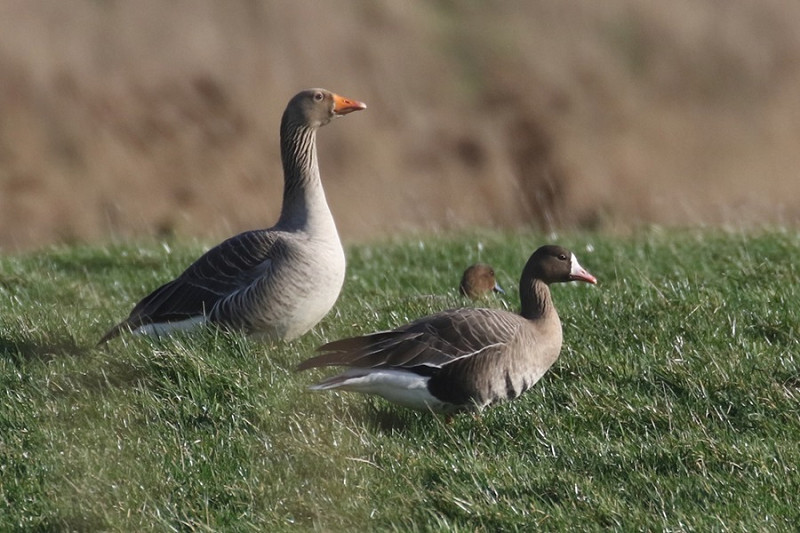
x,y
342,105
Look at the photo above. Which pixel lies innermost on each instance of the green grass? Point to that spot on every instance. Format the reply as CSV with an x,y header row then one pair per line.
x,y
675,404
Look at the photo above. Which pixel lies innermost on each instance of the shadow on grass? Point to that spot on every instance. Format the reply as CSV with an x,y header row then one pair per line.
x,y
118,373
72,523
384,417
19,351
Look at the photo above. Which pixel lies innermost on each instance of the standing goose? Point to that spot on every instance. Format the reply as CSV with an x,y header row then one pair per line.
x,y
478,280
460,359
278,282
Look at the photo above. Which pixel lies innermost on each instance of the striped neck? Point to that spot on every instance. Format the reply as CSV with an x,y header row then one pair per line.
x,y
304,203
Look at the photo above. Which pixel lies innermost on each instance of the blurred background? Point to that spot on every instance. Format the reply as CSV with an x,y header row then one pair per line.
x,y
132,119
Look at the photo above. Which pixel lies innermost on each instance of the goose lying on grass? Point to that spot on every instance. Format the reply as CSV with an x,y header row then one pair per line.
x,y
460,359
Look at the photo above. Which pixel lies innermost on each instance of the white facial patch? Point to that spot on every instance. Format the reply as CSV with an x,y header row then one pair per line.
x,y
578,273
574,267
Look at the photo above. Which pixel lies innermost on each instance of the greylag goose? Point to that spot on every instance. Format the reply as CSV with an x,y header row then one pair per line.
x,y
478,280
278,282
460,359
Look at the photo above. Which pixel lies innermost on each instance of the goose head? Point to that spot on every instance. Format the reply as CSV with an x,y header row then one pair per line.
x,y
554,264
317,107
478,280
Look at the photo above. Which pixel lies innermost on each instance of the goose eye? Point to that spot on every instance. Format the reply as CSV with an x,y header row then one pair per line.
x,y
318,97
563,257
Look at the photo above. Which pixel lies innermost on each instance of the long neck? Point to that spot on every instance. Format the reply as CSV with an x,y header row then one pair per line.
x,y
304,203
535,299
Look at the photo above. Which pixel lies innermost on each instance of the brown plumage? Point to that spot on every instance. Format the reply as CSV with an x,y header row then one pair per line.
x,y
277,282
461,358
479,280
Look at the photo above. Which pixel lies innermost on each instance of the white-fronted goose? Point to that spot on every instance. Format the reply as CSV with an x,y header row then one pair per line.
x,y
461,358
478,280
277,282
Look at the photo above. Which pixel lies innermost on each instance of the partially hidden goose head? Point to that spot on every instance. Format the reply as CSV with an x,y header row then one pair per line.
x,y
460,359
479,280
275,283
317,107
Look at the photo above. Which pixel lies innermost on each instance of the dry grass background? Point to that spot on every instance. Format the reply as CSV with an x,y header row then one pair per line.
x,y
128,119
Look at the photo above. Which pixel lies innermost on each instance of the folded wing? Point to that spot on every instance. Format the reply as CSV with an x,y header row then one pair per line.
x,y
229,267
424,345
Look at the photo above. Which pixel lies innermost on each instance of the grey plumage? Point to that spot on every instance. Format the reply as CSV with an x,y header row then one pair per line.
x,y
278,282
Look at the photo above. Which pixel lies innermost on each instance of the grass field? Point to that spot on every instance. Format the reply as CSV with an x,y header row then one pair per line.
x,y
675,404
